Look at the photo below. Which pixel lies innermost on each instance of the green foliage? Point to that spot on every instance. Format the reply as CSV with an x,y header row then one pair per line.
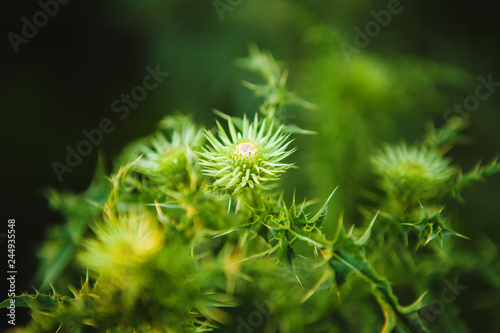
x,y
361,105
418,179
184,237
274,91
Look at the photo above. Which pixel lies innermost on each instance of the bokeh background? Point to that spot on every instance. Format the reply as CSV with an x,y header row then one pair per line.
x,y
64,79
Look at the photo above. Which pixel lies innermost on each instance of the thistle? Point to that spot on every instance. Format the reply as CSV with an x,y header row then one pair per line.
x,y
247,159
165,160
413,173
122,244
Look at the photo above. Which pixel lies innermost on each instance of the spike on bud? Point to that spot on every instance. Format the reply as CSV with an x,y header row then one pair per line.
x,y
247,159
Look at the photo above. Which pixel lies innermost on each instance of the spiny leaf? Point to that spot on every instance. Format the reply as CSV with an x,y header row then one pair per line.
x,y
323,209
366,236
380,286
287,256
478,173
325,277
297,130
35,302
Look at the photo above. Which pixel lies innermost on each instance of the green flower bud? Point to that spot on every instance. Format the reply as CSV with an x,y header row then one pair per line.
x,y
413,173
121,245
246,159
165,160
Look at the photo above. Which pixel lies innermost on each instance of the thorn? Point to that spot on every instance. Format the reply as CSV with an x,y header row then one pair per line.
x,y
238,205
297,277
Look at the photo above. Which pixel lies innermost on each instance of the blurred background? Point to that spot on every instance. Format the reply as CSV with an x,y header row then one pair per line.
x,y
383,84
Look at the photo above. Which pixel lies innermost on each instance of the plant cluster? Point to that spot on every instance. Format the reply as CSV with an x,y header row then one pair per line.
x,y
191,233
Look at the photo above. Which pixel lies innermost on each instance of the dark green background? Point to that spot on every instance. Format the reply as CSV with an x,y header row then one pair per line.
x,y
64,80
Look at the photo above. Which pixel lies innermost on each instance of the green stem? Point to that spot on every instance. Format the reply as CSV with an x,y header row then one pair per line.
x,y
380,288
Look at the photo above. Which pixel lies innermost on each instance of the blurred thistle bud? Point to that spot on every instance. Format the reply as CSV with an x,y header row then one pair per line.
x,y
122,244
166,160
246,159
413,173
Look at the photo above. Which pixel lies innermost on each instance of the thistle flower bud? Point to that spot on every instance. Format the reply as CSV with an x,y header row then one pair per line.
x,y
246,159
164,160
412,172
122,244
